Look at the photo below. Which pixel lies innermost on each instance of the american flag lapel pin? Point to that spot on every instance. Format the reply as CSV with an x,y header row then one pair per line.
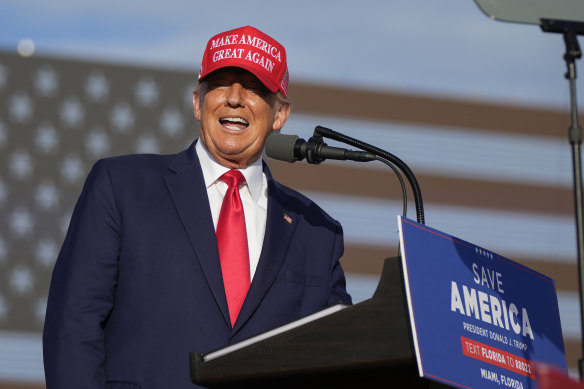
x,y
288,219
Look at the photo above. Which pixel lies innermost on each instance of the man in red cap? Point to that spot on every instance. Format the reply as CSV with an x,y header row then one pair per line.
x,y
190,252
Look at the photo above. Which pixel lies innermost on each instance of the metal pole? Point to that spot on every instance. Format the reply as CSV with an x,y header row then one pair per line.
x,y
575,135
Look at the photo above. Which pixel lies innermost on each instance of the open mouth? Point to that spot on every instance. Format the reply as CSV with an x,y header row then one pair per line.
x,y
234,123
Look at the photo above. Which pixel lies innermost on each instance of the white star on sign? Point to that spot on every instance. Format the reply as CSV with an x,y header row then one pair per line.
x,y
21,279
147,144
72,112
20,107
122,118
97,87
171,122
97,142
146,92
21,222
46,82
20,164
46,139
46,196
72,168
46,252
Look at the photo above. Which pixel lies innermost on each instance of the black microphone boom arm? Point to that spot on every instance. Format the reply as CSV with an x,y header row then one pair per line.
x,y
328,133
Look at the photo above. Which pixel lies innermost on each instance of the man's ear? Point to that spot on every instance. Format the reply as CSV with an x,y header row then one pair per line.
x,y
281,116
197,104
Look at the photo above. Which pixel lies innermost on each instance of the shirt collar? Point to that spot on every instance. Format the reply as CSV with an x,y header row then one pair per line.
x,y
212,170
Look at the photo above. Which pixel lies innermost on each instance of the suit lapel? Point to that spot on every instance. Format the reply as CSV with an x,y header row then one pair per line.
x,y
187,188
280,225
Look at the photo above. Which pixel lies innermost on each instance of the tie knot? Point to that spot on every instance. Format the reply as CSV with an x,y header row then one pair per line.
x,y
233,178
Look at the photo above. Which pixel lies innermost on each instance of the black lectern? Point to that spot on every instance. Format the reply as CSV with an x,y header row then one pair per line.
x,y
367,345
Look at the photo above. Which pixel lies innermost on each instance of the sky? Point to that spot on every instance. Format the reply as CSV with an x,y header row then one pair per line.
x,y
430,47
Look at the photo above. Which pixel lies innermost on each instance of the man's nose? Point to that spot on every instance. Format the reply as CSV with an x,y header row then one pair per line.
x,y
235,95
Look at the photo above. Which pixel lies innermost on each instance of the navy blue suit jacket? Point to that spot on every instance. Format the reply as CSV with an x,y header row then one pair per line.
x,y
138,285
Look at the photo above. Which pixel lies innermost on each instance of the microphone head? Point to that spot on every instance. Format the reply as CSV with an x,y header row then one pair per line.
x,y
281,147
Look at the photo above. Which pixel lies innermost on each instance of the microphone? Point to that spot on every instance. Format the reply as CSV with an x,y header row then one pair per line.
x,y
291,148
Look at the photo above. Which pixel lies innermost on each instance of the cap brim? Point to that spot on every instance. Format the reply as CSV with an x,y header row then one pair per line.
x,y
245,65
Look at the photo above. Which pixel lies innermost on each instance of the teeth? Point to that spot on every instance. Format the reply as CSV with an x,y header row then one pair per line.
x,y
235,120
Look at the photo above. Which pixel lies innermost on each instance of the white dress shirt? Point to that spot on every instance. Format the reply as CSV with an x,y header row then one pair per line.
x,y
254,196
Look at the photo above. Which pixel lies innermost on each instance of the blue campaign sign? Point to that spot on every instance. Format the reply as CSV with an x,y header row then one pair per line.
x,y
479,320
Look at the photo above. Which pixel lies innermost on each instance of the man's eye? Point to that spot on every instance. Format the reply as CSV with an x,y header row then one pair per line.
x,y
257,88
218,84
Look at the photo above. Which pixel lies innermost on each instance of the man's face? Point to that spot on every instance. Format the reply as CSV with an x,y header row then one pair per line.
x,y
236,114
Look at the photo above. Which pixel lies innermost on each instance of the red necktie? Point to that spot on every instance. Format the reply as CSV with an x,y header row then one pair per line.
x,y
232,241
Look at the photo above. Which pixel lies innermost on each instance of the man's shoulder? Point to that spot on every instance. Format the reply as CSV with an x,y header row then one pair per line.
x,y
138,160
301,204
141,164
291,194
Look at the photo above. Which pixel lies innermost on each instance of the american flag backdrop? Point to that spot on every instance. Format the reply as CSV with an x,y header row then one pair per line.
x,y
495,174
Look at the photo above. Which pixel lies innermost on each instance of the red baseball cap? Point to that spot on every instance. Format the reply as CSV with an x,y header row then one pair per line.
x,y
250,49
